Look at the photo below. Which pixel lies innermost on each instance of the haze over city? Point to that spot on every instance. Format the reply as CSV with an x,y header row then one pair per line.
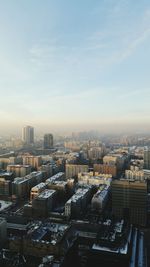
x,y
74,133
75,65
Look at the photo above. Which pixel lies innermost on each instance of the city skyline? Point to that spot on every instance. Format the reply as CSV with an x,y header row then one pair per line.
x,y
75,65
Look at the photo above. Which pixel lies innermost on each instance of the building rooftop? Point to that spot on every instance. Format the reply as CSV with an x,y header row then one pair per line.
x,y
110,237
18,165
79,194
55,177
59,182
5,173
38,186
47,232
91,175
102,193
146,171
4,204
2,219
130,180
46,194
19,180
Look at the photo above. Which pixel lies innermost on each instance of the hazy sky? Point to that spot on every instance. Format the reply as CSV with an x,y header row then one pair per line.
x,y
74,62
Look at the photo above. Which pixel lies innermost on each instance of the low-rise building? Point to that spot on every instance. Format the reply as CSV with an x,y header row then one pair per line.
x,y
42,240
89,178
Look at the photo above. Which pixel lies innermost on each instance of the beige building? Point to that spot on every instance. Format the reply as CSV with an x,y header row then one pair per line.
x,y
117,160
110,160
36,190
19,170
96,152
5,187
58,185
135,174
106,169
47,169
90,178
34,161
73,170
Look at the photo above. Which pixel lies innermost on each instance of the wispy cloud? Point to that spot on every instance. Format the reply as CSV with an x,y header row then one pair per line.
x,y
133,45
97,51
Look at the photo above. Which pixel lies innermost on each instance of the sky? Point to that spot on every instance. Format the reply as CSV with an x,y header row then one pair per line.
x,y
79,64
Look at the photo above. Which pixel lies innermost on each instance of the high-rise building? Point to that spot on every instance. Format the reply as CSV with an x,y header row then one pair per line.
x,y
147,159
129,200
28,135
34,161
48,141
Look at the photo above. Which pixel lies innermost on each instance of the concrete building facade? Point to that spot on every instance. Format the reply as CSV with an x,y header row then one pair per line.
x,y
129,200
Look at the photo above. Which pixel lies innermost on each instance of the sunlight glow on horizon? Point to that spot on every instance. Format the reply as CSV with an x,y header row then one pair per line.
x,y
74,64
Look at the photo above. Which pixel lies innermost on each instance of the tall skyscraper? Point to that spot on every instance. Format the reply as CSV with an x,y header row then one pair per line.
x,y
147,159
28,135
48,141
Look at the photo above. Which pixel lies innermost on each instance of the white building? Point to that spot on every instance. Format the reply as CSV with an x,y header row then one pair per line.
x,y
77,202
100,199
135,175
88,178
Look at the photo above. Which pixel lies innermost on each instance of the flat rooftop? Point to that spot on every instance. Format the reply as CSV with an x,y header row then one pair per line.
x,y
46,194
4,205
101,193
48,232
19,180
79,194
19,166
38,186
55,177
